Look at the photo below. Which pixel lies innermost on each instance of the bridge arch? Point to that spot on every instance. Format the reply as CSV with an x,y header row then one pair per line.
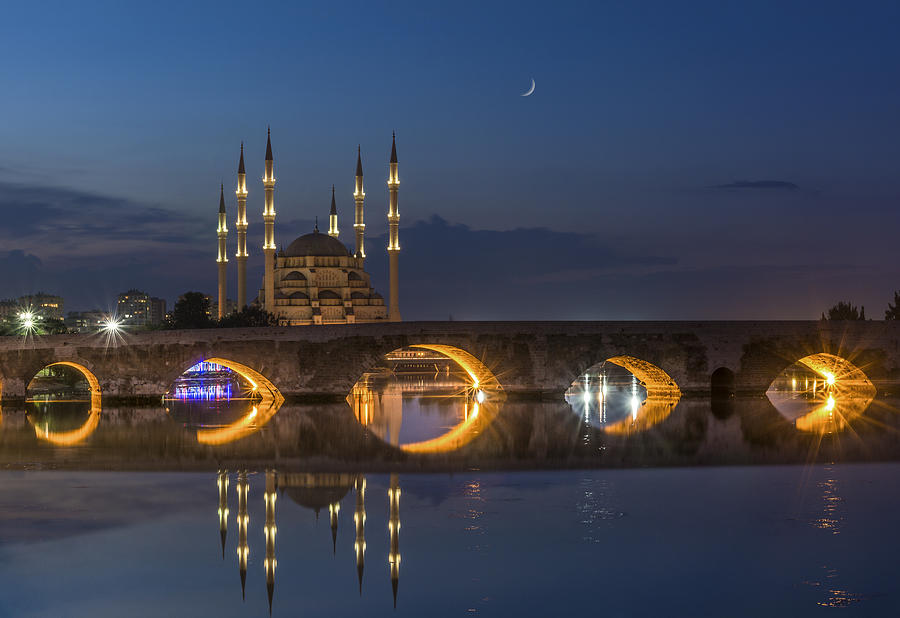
x,y
376,398
261,386
74,436
653,378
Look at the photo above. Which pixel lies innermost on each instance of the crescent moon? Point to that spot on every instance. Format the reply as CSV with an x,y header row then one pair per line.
x,y
530,90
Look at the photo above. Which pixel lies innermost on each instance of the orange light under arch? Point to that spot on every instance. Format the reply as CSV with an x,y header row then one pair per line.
x,y
76,436
657,382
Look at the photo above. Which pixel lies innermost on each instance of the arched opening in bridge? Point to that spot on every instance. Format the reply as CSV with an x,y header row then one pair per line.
x,y
427,398
821,393
623,394
223,400
62,402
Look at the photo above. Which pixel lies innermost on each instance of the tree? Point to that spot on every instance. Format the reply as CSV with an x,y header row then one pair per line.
x,y
893,310
248,316
845,311
191,311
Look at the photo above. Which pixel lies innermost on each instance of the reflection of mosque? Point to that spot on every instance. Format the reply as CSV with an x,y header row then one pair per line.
x,y
315,492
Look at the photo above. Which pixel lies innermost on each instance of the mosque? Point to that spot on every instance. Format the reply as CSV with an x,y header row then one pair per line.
x,y
316,280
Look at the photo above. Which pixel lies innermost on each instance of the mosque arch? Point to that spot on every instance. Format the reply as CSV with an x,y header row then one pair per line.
x,y
299,296
329,295
354,276
359,296
294,275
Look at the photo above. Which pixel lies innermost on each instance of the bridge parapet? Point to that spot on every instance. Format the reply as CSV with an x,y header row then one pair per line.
x,y
528,358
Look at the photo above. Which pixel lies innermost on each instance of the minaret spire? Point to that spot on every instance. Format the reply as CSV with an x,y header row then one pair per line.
x,y
394,235
241,225
269,220
222,260
359,196
332,217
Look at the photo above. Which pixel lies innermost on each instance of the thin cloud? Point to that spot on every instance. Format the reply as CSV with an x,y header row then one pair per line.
x,y
782,185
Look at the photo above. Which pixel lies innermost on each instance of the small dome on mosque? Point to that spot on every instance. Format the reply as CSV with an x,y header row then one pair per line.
x,y
316,244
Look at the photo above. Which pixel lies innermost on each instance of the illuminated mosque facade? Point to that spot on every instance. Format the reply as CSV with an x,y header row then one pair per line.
x,y
316,279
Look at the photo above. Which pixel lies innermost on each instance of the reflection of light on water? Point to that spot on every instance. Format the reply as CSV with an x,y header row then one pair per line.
x,y
635,406
829,405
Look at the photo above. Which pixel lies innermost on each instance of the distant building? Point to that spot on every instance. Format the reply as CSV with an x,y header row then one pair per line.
x,y
138,308
9,309
48,306
133,308
157,311
85,321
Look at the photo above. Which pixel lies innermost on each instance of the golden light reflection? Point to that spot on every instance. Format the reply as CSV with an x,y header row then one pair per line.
x,y
75,436
382,410
652,411
827,403
249,424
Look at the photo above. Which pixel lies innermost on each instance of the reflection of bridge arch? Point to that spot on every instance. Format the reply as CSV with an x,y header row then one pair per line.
x,y
483,393
75,436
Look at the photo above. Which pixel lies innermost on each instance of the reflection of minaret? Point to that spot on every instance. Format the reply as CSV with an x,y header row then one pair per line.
x,y
333,509
243,520
359,518
394,528
270,562
391,403
223,507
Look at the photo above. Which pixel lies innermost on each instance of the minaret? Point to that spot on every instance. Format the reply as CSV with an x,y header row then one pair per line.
x,y
332,218
359,196
223,507
394,238
359,518
394,528
222,260
270,561
269,220
243,521
333,510
241,226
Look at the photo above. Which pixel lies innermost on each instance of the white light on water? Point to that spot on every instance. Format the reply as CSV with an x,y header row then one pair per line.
x,y
479,396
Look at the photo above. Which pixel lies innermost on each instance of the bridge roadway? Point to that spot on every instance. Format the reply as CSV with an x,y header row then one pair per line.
x,y
529,359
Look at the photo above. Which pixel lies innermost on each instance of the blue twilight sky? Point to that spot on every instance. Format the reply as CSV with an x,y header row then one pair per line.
x,y
676,160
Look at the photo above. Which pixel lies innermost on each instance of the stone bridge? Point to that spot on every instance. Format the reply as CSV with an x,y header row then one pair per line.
x,y
529,359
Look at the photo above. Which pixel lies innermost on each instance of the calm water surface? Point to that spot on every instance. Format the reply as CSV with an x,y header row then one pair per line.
x,y
737,541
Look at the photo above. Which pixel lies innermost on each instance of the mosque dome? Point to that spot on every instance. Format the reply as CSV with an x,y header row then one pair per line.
x,y
316,244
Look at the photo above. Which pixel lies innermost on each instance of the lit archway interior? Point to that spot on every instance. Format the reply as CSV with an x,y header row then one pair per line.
x,y
623,395
657,382
80,434
257,406
440,395
261,384
821,393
